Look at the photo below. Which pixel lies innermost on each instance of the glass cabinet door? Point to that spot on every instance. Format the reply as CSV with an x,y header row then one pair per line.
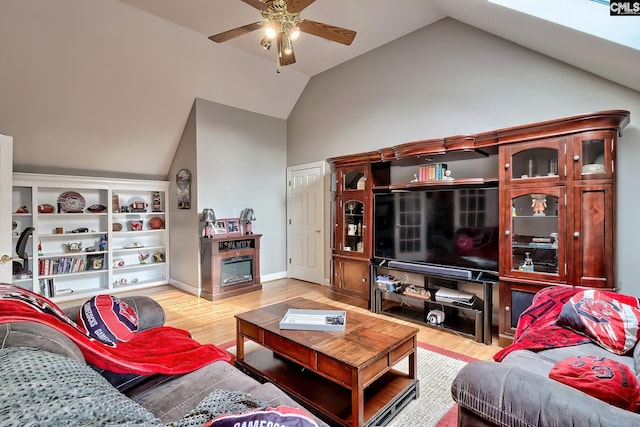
x,y
353,179
353,229
542,161
536,234
593,155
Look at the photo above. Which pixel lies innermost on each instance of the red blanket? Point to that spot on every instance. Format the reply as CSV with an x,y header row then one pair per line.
x,y
161,350
537,329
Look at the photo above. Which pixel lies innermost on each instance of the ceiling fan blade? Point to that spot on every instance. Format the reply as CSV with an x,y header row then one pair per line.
x,y
283,58
329,32
228,35
295,6
257,4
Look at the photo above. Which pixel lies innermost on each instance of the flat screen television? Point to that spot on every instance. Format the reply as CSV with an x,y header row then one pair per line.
x,y
442,227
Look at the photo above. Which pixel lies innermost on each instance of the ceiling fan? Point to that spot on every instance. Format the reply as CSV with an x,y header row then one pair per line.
x,y
282,23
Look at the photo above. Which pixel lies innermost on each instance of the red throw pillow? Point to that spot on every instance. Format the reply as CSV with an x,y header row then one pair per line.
x,y
610,320
602,378
108,319
278,416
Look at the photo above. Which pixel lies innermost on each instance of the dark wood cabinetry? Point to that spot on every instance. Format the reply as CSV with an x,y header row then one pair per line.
x,y
351,240
557,205
558,215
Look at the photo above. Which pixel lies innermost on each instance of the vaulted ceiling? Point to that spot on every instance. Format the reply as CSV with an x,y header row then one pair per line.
x,y
110,77
378,22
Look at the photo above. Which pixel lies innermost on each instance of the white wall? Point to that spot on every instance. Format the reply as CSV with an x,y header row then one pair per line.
x,y
448,79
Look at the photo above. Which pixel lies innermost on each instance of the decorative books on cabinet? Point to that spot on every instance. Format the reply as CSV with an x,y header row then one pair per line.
x,y
90,235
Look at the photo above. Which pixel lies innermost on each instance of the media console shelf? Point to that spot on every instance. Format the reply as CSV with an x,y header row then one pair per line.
x,y
472,320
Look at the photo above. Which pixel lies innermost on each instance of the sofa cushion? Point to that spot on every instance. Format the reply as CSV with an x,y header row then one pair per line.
x,y
600,377
42,388
108,319
278,416
37,335
610,320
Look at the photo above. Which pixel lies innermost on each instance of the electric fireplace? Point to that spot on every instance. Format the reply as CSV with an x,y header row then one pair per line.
x,y
236,270
230,266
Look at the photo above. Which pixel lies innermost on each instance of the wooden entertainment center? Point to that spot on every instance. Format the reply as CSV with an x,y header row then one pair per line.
x,y
556,212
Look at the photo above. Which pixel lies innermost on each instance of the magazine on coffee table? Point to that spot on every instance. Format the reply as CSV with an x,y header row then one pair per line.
x,y
314,320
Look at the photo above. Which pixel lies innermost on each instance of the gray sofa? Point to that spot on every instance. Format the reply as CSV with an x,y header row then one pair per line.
x,y
518,392
45,381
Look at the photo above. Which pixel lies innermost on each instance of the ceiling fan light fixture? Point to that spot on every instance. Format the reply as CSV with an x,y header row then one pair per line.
x,y
266,44
270,32
286,44
294,33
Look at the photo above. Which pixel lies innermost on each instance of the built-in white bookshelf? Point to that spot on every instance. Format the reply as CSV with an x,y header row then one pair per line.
x,y
90,235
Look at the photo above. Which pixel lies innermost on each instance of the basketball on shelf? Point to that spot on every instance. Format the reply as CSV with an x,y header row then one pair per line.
x,y
156,223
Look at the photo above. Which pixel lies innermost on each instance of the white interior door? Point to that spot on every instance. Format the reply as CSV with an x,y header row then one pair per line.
x,y
305,228
6,174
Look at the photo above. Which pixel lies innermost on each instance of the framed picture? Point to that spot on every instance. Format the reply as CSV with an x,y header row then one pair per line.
x,y
233,226
220,227
183,182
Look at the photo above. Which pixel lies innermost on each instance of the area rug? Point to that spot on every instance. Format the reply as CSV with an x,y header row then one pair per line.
x,y
436,370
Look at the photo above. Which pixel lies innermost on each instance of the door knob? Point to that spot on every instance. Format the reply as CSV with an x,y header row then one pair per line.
x,y
317,231
5,258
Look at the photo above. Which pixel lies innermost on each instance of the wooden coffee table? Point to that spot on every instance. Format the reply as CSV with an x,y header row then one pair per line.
x,y
346,378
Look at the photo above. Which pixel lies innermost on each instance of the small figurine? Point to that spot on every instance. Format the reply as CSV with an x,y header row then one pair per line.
x,y
143,256
447,175
539,204
415,178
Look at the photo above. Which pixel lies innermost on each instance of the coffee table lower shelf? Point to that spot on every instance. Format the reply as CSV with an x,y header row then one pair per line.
x,y
384,398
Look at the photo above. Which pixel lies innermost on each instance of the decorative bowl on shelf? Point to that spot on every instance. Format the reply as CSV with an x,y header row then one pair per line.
x,y
134,245
45,208
116,226
71,202
72,247
97,208
135,225
138,206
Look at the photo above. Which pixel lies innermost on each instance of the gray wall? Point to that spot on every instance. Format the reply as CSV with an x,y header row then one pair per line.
x,y
183,230
242,164
448,79
237,160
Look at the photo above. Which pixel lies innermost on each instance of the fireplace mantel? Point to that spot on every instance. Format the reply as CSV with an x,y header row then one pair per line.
x,y
230,265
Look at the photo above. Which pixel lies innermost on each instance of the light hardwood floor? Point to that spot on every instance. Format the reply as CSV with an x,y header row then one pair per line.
x,y
213,321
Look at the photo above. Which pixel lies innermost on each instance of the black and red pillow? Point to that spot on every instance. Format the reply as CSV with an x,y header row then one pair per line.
x,y
108,319
278,416
609,319
605,379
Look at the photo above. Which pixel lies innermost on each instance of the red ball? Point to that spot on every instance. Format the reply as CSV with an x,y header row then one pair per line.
x,y
156,223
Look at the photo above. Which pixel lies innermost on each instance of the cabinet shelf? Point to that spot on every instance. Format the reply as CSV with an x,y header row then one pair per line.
x,y
474,321
138,266
535,246
76,273
69,254
465,323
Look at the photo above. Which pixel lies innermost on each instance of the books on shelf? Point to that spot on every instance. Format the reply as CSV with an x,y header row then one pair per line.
x,y
432,172
64,265
314,320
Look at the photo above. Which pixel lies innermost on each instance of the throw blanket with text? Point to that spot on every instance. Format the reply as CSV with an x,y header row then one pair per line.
x,y
160,350
537,329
